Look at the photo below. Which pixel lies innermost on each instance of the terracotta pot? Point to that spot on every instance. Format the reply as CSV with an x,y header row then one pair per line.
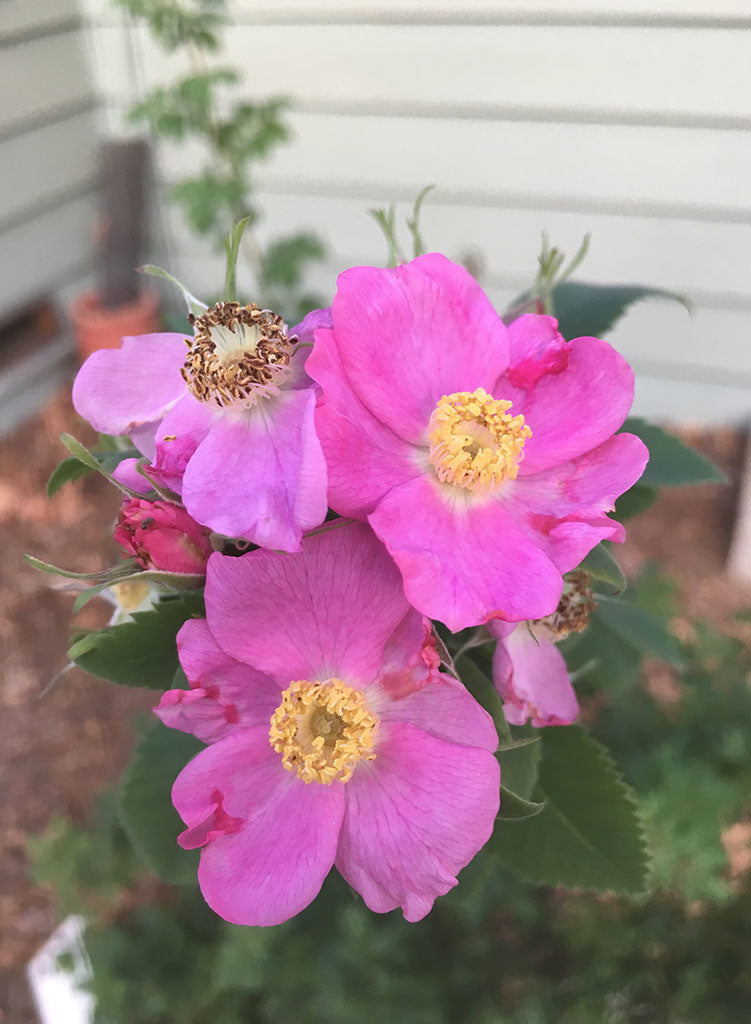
x,y
97,327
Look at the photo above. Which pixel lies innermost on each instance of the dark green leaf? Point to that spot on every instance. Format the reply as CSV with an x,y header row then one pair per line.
x,y
634,501
146,810
64,472
514,807
594,309
601,656
519,766
286,259
601,566
639,628
140,652
671,462
589,834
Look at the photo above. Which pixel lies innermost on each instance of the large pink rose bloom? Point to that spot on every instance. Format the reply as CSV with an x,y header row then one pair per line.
x,y
334,739
228,421
482,455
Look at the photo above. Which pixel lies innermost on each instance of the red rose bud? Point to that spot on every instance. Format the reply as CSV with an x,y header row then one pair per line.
x,y
163,536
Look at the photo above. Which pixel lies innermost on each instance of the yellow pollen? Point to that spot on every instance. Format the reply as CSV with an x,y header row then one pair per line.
x,y
474,443
322,730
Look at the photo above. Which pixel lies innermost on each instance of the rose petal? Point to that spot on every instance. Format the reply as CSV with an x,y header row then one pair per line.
x,y
327,612
365,458
415,816
409,335
261,474
531,676
118,389
463,562
277,836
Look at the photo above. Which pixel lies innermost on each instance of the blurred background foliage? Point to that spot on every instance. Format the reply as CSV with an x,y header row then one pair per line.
x,y
495,950
234,136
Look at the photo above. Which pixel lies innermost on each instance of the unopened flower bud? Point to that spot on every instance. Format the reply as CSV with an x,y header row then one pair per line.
x,y
160,535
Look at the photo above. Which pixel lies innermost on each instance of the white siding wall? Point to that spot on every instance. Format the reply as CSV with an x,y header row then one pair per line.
x,y
47,150
627,118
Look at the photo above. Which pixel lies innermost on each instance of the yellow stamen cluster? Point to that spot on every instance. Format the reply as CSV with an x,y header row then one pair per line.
x,y
322,730
574,608
238,353
474,443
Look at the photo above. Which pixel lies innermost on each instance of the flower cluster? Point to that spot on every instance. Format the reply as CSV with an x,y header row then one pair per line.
x,y
402,459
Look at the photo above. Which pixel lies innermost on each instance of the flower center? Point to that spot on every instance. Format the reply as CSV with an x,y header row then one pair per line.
x,y
474,443
322,730
238,353
574,608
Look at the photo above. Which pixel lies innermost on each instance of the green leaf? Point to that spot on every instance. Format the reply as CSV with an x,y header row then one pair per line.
x,y
519,766
232,251
634,501
671,462
594,309
64,472
149,819
141,652
90,460
413,222
601,656
601,566
113,575
195,306
589,834
285,260
515,808
641,629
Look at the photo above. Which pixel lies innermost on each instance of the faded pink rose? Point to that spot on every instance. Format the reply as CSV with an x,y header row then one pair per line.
x,y
530,674
160,535
334,738
485,457
227,420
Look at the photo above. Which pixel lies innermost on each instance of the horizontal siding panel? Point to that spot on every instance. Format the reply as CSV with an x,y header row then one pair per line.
x,y
37,255
41,76
679,9
627,169
577,72
18,16
701,259
41,164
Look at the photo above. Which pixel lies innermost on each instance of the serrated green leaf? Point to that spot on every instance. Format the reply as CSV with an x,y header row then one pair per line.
x,y
594,309
601,656
589,834
141,652
634,502
645,632
515,808
671,462
601,566
149,819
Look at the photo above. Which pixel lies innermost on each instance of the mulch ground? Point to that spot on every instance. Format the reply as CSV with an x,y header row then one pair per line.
x,y
57,749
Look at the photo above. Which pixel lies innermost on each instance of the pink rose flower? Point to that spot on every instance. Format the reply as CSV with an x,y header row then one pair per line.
x,y
482,455
531,676
163,536
228,422
334,739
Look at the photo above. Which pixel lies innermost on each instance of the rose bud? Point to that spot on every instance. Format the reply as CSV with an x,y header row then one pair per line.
x,y
160,535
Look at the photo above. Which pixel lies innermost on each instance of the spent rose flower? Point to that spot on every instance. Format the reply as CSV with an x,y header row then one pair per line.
x,y
228,422
483,456
161,535
529,671
333,737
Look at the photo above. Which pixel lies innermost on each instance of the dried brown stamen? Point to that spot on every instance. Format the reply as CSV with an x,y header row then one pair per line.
x,y
238,353
574,608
